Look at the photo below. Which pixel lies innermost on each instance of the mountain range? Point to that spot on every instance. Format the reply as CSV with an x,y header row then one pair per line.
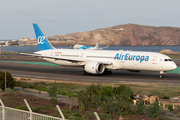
x,y
121,35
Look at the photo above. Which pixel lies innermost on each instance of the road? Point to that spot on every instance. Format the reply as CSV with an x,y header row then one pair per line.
x,y
74,73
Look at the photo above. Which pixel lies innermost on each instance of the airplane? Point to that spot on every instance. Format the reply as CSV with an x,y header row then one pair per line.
x,y
102,61
96,47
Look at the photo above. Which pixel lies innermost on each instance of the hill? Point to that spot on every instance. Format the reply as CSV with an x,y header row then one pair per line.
x,y
122,35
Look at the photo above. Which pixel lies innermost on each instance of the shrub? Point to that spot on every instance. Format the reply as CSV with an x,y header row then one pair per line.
x,y
22,107
35,109
77,115
123,91
109,106
107,91
54,101
39,91
118,90
91,97
160,118
23,84
170,107
53,89
139,108
153,110
81,107
99,97
10,81
121,102
42,83
8,90
124,106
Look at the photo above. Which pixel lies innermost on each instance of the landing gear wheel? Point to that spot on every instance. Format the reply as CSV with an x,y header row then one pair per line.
x,y
107,72
161,76
84,73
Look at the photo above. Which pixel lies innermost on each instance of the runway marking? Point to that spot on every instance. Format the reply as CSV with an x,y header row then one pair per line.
x,y
177,70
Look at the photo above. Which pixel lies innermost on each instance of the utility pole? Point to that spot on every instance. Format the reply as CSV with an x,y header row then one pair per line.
x,y
5,80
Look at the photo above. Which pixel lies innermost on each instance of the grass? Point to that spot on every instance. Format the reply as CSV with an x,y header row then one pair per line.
x,y
67,89
161,90
72,115
35,109
71,89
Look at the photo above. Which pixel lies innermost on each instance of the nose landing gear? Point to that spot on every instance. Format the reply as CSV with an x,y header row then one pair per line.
x,y
162,74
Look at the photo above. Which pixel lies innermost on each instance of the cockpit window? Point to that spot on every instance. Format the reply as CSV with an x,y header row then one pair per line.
x,y
167,60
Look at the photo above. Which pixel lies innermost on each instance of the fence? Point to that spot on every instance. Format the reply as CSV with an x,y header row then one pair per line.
x,y
7,113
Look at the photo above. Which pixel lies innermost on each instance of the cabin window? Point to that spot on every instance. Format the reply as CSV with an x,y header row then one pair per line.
x,y
165,59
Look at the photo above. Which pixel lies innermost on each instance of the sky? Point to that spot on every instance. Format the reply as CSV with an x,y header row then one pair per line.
x,y
58,17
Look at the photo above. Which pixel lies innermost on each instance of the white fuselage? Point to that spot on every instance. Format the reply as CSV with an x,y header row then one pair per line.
x,y
127,60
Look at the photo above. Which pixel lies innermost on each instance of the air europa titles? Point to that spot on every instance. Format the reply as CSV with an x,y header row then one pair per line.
x,y
129,57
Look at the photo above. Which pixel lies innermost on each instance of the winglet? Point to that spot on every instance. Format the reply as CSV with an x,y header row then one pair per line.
x,y
42,41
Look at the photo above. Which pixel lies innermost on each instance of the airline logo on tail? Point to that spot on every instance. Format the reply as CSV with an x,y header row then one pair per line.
x,y
41,39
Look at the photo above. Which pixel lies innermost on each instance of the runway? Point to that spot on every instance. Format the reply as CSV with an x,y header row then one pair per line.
x,y
74,73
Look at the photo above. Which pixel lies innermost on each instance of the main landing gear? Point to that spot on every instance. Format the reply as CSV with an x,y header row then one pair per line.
x,y
107,72
162,74
84,73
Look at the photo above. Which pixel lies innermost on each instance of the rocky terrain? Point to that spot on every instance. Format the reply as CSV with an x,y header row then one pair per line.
x,y
167,51
122,35
27,42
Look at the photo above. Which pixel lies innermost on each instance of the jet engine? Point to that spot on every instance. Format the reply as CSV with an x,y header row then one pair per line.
x,y
94,67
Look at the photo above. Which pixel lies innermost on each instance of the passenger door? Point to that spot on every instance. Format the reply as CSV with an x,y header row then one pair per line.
x,y
155,58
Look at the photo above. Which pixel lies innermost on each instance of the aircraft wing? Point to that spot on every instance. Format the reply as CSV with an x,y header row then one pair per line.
x,y
53,57
64,58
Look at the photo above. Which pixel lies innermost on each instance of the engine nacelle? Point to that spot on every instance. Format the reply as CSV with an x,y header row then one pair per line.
x,y
94,67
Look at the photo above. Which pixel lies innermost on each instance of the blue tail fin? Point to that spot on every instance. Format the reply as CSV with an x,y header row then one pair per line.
x,y
42,41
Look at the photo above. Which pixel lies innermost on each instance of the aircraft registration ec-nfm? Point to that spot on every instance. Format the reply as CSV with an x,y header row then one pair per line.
x,y
101,61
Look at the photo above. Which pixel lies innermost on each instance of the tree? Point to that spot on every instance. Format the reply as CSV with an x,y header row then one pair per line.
x,y
10,81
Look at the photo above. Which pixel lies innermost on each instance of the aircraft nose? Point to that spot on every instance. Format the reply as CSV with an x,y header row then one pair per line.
x,y
173,66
